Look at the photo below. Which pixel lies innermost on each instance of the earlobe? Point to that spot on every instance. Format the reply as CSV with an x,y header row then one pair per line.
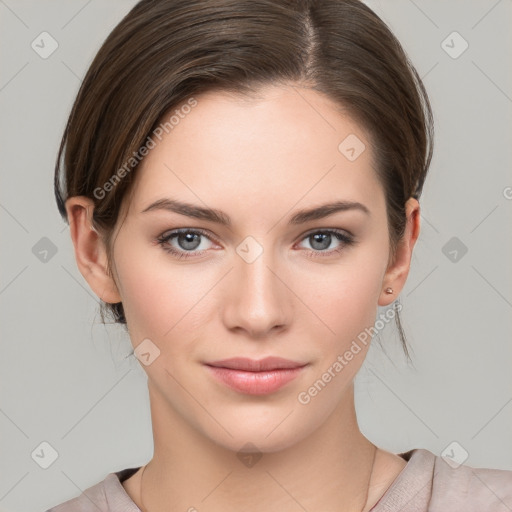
x,y
398,270
90,250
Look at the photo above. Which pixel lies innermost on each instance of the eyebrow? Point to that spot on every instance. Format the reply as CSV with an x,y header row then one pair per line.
x,y
219,217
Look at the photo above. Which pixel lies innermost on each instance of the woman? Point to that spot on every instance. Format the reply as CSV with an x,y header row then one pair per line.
x,y
242,183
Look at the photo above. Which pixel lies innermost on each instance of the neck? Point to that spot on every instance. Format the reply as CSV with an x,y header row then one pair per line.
x,y
330,470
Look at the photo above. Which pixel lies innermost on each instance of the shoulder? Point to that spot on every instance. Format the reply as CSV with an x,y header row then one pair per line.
x,y
428,483
105,496
93,498
470,489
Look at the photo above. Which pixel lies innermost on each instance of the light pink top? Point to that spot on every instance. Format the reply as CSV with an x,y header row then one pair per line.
x,y
426,484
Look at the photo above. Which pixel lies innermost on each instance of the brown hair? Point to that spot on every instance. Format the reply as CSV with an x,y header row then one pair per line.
x,y
165,51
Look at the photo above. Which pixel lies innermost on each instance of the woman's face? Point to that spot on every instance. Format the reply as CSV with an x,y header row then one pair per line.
x,y
272,281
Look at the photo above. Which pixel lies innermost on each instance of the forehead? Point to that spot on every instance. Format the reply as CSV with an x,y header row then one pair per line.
x,y
284,145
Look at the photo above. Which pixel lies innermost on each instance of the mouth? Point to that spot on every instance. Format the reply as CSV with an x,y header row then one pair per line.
x,y
255,377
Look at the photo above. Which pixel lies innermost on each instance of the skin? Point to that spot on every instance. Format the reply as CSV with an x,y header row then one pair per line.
x,y
258,160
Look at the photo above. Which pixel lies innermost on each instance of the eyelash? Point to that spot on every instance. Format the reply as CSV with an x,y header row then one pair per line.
x,y
346,239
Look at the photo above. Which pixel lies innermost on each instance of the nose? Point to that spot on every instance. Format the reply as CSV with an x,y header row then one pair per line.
x,y
257,300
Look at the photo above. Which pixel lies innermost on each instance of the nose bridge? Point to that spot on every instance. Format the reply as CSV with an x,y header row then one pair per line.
x,y
257,297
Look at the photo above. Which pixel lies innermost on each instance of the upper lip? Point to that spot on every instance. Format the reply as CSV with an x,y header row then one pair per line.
x,y
253,365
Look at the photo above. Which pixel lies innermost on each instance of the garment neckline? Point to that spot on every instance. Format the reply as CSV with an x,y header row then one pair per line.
x,y
415,458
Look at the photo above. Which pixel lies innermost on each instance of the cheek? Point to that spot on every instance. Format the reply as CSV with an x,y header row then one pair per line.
x,y
345,297
161,300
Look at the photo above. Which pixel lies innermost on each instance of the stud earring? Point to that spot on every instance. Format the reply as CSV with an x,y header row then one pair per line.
x,y
389,290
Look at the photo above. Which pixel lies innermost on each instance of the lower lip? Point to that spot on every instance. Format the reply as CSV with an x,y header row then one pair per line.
x,y
255,383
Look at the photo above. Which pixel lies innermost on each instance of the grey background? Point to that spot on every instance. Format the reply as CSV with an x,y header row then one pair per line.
x,y
66,379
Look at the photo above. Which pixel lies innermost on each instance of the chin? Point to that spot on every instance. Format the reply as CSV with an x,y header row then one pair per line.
x,y
266,431
252,441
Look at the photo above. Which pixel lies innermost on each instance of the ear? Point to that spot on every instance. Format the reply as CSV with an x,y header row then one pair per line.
x,y
398,269
90,250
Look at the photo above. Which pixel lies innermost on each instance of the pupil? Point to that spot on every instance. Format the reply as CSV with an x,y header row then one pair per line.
x,y
189,240
324,240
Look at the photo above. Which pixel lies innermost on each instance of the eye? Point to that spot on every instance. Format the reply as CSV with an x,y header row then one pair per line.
x,y
183,243
320,240
186,242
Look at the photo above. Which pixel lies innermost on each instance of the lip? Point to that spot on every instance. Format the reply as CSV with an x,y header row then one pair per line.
x,y
255,377
256,365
